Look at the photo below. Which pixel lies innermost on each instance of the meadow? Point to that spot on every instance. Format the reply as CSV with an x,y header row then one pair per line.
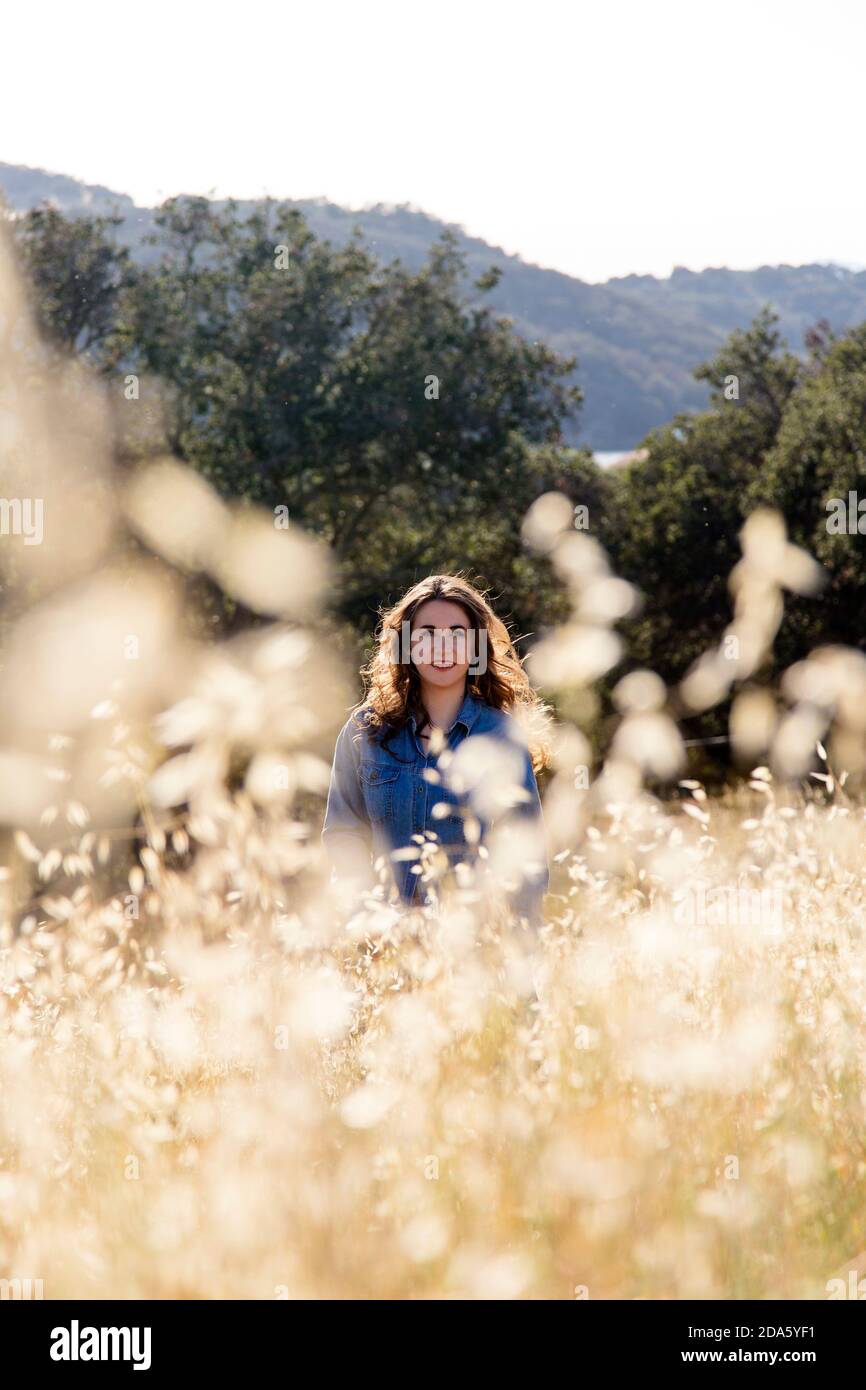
x,y
219,1078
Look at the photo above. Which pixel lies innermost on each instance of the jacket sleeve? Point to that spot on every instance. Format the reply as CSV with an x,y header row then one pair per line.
x,y
346,833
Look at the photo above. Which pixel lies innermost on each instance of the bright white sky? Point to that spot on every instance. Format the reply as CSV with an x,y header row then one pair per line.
x,y
597,138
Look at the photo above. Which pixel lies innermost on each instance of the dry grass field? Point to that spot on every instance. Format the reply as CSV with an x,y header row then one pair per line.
x,y
218,1079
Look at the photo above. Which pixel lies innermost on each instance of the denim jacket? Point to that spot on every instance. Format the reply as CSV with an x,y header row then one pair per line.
x,y
381,795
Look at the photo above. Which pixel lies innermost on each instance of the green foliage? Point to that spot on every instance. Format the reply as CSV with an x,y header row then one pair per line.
x,y
678,512
637,338
404,422
819,455
80,275
393,417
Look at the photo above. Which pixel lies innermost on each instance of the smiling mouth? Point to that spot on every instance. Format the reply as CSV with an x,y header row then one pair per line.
x,y
443,665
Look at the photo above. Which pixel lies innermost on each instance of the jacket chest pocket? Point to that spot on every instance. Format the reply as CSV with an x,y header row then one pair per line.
x,y
379,784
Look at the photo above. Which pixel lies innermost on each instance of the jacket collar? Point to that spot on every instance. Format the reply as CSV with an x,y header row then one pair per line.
x,y
466,715
468,712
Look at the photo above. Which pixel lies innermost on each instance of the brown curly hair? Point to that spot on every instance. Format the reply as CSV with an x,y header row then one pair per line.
x,y
393,690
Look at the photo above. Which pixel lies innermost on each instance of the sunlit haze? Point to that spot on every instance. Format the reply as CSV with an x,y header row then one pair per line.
x,y
598,140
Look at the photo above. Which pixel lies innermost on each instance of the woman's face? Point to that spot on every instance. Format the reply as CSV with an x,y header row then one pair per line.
x,y
443,639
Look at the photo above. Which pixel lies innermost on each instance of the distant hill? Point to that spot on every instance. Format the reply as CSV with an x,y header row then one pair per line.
x,y
636,338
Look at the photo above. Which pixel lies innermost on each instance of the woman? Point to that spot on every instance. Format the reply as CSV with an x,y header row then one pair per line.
x,y
436,756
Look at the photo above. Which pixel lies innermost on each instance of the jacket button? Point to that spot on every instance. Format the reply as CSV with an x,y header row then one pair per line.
x,y
373,775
